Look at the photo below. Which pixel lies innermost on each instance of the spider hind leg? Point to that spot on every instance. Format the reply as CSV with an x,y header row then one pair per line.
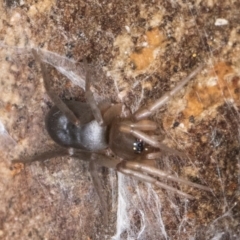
x,y
53,96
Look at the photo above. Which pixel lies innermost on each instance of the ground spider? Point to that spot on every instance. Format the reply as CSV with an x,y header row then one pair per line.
x,y
85,130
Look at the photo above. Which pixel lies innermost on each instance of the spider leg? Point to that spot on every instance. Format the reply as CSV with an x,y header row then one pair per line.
x,y
147,111
83,155
99,187
153,155
60,152
158,173
141,171
104,160
126,170
144,125
89,95
146,178
57,101
111,113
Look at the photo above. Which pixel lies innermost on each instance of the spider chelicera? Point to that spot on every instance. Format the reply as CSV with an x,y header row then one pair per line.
x,y
86,130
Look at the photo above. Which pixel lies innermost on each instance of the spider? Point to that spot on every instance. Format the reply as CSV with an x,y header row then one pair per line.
x,y
86,130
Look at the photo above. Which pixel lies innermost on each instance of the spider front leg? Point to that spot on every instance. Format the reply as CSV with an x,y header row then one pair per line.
x,y
150,174
149,110
140,126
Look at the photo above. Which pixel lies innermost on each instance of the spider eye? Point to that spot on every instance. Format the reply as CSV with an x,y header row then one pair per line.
x,y
138,146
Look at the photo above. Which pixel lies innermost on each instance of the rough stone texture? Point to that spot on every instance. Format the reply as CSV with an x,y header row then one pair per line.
x,y
140,50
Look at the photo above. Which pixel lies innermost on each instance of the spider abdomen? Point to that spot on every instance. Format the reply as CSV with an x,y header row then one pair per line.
x,y
88,136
